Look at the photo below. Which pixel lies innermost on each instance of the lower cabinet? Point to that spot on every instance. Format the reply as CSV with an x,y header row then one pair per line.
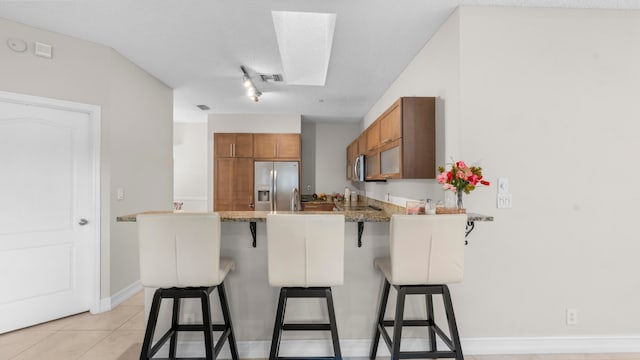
x,y
233,185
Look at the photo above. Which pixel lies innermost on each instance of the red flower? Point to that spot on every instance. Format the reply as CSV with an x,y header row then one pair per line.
x,y
485,183
449,176
473,179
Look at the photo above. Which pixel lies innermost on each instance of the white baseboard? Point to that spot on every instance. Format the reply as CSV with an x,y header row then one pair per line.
x,y
472,346
551,345
120,297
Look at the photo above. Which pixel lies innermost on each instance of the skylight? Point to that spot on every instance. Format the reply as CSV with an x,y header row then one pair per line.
x,y
304,41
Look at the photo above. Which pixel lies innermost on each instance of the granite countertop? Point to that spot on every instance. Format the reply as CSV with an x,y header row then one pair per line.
x,y
261,216
353,212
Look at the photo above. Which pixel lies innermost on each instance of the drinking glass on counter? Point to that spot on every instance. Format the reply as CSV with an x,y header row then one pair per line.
x,y
413,208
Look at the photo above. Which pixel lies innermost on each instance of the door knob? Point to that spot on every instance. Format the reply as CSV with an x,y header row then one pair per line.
x,y
83,222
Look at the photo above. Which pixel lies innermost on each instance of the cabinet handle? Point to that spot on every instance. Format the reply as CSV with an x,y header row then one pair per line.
x,y
234,150
251,205
386,140
231,150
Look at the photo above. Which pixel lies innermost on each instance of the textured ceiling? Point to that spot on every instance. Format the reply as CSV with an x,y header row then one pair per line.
x,y
197,46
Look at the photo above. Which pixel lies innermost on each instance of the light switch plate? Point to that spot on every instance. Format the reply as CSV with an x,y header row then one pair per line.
x,y
120,193
503,185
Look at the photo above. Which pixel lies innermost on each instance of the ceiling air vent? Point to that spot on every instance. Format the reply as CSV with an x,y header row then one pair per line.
x,y
274,77
203,107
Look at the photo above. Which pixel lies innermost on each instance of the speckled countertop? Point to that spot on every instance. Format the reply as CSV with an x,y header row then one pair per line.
x,y
358,212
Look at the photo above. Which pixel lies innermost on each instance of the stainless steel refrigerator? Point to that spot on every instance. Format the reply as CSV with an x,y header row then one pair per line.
x,y
276,185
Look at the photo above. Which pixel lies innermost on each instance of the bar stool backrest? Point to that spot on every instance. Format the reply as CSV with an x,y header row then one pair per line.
x,y
305,250
179,249
427,249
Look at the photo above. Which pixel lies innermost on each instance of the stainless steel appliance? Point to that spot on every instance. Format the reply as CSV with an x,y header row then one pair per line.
x,y
358,168
276,185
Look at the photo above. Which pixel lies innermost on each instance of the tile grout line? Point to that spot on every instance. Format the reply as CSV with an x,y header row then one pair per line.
x,y
34,344
95,344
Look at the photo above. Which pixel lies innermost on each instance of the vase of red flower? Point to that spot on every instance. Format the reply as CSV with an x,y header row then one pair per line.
x,y
461,178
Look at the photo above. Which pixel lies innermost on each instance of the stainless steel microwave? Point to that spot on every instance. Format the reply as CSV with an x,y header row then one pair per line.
x,y
358,168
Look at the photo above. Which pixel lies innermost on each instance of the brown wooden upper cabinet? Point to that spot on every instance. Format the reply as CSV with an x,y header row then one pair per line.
x,y
362,143
233,144
401,143
391,124
276,146
352,153
373,136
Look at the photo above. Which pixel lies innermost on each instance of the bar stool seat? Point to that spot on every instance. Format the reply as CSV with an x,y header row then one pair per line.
x,y
180,255
426,253
305,258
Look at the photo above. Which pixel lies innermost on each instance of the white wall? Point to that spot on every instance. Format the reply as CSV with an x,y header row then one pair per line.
x,y
331,143
190,144
547,98
135,134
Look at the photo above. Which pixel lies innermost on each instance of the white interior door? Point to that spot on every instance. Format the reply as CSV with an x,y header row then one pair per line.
x,y
47,216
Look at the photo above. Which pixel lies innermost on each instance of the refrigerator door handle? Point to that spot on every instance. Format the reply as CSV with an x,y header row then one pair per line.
x,y
270,190
275,190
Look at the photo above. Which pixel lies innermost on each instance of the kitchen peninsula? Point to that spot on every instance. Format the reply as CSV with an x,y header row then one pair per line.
x,y
253,302
365,210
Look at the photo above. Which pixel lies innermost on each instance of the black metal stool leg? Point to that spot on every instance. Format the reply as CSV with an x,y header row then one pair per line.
x,y
451,319
397,323
333,325
277,327
381,310
206,324
431,321
151,325
233,347
174,327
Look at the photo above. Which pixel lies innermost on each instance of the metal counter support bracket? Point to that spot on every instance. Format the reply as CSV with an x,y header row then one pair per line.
x,y
252,227
468,230
360,229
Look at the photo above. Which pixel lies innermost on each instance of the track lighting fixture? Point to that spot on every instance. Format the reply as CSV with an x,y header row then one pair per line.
x,y
252,91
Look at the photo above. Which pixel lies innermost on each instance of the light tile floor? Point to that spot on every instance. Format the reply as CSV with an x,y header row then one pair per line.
x,y
118,334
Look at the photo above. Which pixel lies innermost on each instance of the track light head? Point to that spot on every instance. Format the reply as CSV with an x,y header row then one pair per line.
x,y
252,91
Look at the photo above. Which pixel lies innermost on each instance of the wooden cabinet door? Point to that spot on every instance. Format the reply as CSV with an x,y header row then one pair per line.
x,y
391,124
362,143
243,178
276,146
352,153
288,146
264,146
372,167
243,146
224,184
373,136
223,144
233,184
391,160
233,145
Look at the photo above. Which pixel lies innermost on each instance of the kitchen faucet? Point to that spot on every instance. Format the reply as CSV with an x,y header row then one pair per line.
x,y
295,199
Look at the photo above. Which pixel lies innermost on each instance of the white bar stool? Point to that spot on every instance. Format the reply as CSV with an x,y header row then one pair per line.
x,y
306,258
427,252
180,255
